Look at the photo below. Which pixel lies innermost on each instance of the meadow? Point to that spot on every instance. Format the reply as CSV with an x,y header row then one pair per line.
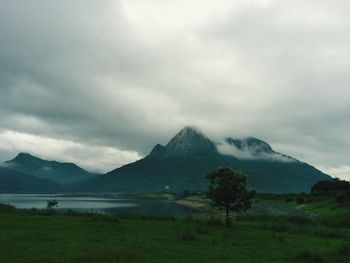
x,y
320,233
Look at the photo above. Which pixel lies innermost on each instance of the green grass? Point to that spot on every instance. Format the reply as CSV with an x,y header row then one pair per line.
x,y
319,232
323,208
36,237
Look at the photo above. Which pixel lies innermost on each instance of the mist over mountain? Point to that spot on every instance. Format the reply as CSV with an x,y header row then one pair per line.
x,y
251,149
61,173
183,163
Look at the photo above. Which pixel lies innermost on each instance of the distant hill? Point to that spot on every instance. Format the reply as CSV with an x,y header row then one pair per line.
x,y
14,182
62,173
183,163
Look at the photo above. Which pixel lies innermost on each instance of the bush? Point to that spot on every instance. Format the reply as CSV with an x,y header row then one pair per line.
x,y
341,198
104,218
141,216
330,186
189,218
48,212
299,220
106,256
309,256
288,199
343,250
7,208
214,221
281,239
301,199
341,220
309,200
188,236
348,194
50,204
200,229
293,219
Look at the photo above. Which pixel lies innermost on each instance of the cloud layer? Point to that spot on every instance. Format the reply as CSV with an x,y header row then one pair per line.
x,y
109,79
251,153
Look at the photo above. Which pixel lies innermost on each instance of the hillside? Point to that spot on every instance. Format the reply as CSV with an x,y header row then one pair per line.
x,y
62,173
183,163
15,182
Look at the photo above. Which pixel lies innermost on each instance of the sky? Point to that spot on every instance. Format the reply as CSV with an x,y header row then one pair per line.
x,y
99,83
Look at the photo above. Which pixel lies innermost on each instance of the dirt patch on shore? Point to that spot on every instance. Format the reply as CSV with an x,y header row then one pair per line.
x,y
191,203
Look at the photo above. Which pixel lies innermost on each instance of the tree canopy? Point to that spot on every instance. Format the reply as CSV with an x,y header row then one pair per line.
x,y
330,186
228,191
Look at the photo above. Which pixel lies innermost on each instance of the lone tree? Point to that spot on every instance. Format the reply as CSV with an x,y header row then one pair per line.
x,y
228,191
50,204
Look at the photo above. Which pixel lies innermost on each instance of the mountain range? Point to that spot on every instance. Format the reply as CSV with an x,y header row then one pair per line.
x,y
184,162
180,165
30,174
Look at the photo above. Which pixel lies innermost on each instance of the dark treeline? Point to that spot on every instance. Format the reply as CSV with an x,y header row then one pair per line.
x,y
330,187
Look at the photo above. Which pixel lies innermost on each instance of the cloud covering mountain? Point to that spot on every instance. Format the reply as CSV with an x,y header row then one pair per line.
x,y
100,83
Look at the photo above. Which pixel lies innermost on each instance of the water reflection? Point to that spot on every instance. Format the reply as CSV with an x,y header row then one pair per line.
x,y
95,204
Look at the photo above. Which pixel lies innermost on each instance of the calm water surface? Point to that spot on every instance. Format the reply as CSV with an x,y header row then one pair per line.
x,y
96,204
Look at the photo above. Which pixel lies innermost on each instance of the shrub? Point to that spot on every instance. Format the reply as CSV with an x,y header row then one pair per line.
x,y
309,200
341,220
299,220
343,250
188,236
189,218
301,199
277,227
348,194
147,217
214,221
330,186
341,198
50,204
281,239
105,218
309,256
288,199
200,229
47,212
106,256
5,208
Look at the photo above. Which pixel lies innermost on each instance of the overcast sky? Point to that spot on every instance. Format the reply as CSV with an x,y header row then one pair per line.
x,y
100,83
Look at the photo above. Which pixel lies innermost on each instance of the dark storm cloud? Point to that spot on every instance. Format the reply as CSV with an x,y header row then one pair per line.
x,y
121,76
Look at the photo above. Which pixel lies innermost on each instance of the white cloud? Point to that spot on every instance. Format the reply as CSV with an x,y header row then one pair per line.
x,y
248,154
343,172
172,14
91,157
129,74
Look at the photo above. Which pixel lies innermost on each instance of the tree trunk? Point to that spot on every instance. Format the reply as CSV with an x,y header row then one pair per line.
x,y
227,217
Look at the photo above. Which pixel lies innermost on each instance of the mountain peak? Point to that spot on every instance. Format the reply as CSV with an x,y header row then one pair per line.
x,y
63,173
188,133
157,151
23,157
189,141
23,154
189,129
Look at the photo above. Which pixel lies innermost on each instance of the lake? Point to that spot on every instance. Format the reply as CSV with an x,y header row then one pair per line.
x,y
107,205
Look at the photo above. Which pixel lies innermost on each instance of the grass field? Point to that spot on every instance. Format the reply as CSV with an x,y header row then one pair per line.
x,y
34,236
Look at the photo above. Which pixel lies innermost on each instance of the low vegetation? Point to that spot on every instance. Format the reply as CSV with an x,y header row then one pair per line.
x,y
48,236
279,228
228,191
